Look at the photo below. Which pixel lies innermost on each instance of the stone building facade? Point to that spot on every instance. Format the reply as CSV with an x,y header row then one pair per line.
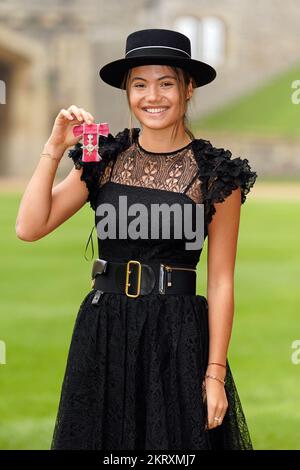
x,y
51,52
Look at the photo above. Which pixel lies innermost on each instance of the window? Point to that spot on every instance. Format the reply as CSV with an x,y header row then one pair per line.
x,y
207,36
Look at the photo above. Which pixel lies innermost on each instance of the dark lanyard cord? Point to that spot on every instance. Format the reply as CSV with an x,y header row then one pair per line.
x,y
90,239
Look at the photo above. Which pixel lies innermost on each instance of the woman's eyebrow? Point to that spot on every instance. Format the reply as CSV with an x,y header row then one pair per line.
x,y
160,78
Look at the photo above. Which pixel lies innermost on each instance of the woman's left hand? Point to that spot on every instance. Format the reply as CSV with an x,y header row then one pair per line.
x,y
216,401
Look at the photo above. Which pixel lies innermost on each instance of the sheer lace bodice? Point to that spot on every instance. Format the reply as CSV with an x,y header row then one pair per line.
x,y
198,173
170,171
218,173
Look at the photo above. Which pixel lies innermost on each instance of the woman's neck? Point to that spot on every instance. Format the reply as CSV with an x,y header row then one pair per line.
x,y
160,141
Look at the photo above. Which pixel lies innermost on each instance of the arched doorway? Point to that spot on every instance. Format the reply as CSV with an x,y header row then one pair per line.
x,y
23,116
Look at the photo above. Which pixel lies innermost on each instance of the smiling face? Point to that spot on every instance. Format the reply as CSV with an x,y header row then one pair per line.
x,y
154,96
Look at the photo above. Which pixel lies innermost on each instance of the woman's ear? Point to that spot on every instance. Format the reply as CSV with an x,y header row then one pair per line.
x,y
190,90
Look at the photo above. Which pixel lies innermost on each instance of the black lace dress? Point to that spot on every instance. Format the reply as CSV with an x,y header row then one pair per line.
x,y
135,367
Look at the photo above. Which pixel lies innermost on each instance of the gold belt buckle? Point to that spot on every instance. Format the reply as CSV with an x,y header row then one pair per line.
x,y
128,272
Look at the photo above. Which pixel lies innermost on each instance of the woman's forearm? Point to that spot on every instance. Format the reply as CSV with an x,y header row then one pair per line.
x,y
220,314
36,201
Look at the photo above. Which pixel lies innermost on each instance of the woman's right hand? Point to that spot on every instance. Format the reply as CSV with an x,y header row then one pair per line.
x,y
62,135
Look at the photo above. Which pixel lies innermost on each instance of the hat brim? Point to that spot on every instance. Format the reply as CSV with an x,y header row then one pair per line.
x,y
113,73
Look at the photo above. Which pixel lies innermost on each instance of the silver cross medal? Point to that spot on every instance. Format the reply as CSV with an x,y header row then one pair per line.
x,y
90,147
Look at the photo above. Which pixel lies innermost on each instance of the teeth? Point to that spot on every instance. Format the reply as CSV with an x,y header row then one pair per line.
x,y
154,110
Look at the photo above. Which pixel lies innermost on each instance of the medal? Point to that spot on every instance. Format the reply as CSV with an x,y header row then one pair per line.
x,y
91,134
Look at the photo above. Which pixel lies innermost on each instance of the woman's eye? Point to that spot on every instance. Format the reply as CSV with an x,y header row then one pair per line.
x,y
138,85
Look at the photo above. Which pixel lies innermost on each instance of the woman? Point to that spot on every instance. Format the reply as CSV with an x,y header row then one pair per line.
x,y
147,366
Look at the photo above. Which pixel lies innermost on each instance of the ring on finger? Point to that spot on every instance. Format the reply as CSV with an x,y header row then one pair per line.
x,y
218,418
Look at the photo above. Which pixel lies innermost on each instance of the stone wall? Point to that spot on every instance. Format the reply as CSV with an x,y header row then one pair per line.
x,y
51,53
271,156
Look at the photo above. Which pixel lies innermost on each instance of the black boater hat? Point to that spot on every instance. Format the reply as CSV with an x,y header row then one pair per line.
x,y
161,47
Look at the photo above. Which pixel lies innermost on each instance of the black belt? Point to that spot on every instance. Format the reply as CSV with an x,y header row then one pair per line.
x,y
135,278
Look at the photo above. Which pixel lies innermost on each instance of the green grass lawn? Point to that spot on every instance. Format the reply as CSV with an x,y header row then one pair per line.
x,y
43,284
267,110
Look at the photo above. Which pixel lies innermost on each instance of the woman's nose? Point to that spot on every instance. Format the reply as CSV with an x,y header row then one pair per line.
x,y
153,93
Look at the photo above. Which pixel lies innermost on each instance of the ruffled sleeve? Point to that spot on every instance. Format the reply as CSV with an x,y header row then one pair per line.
x,y
221,175
109,148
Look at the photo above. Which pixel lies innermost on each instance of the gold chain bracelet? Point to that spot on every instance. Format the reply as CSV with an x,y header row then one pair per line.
x,y
49,156
215,378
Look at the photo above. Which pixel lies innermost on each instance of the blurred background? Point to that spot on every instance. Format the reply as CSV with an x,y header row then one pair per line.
x,y
50,56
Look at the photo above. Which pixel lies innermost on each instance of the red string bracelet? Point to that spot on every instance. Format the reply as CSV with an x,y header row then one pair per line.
x,y
217,363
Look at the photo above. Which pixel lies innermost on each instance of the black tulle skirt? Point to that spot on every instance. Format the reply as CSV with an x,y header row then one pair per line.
x,y
133,378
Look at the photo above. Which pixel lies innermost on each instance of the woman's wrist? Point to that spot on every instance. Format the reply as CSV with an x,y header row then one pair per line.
x,y
216,370
221,364
215,378
54,151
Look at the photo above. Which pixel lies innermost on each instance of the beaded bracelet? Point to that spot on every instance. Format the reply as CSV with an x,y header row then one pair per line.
x,y
215,378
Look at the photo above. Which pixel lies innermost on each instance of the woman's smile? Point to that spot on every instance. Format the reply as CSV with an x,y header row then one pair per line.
x,y
155,111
